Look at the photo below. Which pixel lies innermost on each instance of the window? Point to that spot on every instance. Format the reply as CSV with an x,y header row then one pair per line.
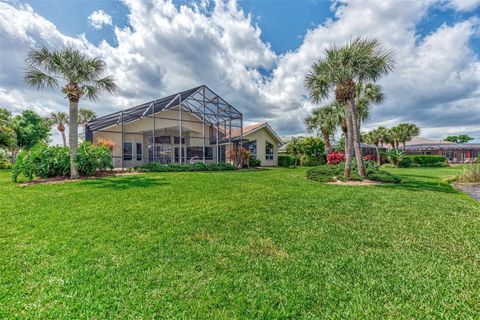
x,y
176,140
127,151
139,152
268,151
252,147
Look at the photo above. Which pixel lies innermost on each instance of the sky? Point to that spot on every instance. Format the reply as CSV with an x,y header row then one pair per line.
x,y
255,54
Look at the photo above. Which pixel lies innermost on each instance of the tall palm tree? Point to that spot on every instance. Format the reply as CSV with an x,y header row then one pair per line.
x,y
77,75
376,137
59,119
294,148
360,60
85,115
324,120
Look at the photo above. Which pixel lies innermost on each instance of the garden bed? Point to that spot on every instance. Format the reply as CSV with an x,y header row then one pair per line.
x,y
365,182
57,180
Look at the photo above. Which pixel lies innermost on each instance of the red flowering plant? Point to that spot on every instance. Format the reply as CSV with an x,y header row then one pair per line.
x,y
335,157
370,157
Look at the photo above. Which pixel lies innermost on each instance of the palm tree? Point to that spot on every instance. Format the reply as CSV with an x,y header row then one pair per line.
x,y
294,148
366,94
406,131
324,120
78,76
361,60
85,115
59,119
376,137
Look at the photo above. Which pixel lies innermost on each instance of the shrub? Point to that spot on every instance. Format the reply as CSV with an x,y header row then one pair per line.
x,y
309,161
254,162
175,167
5,164
423,161
335,157
395,156
388,165
42,161
370,157
286,161
383,176
92,158
470,174
327,173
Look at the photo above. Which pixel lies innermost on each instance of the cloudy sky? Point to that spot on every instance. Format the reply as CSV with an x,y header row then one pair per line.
x,y
255,54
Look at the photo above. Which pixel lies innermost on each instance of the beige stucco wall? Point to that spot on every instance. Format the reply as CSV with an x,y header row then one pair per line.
x,y
262,136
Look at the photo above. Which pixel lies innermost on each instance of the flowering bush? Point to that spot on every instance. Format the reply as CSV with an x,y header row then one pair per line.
x,y
106,143
370,157
335,157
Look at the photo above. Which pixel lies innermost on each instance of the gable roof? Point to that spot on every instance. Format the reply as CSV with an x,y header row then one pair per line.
x,y
254,128
192,101
420,140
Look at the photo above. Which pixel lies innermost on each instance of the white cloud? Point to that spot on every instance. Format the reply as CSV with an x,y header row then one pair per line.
x,y
167,49
463,5
99,18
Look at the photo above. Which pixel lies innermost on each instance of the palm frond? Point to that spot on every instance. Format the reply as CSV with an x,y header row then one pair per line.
x,y
39,79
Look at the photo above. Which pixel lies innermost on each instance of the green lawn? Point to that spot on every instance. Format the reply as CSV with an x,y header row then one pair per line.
x,y
254,244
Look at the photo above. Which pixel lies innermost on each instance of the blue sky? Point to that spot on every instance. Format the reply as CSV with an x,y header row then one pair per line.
x,y
256,53
283,22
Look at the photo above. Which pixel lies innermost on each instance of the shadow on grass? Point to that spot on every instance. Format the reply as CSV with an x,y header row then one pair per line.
x,y
121,183
421,183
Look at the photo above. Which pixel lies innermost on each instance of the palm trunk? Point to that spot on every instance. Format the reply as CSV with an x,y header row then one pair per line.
x,y
377,149
404,145
348,143
326,139
64,138
73,137
357,139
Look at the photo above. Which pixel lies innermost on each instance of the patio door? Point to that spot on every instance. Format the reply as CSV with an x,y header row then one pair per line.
x,y
177,155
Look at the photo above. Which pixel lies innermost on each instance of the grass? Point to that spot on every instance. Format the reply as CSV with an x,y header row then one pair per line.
x,y
255,244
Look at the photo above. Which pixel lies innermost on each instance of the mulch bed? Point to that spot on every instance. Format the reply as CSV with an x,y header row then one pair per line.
x,y
57,180
356,183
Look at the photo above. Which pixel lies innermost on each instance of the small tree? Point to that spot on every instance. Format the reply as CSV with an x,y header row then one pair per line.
x,y
294,148
7,132
59,119
30,129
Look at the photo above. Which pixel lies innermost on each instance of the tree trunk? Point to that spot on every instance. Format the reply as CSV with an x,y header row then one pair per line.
x,y
64,138
377,149
404,145
73,137
326,139
357,139
348,143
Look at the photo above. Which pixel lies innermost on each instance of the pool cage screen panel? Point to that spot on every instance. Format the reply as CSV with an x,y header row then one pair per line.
x,y
195,125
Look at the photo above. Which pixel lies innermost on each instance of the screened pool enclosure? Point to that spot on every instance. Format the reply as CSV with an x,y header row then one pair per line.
x,y
195,125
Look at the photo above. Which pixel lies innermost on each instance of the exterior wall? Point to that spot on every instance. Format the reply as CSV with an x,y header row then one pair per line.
x,y
261,136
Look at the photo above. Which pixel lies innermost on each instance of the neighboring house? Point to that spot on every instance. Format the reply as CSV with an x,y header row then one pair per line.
x,y
262,141
454,152
195,125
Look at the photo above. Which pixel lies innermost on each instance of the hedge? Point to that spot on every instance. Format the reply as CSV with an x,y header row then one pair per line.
x,y
423,161
286,161
159,167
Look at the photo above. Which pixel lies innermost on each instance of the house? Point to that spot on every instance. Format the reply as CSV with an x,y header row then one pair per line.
x,y
194,125
454,152
262,141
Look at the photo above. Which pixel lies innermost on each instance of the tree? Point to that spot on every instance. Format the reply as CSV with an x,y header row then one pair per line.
x,y
367,94
294,148
313,147
59,119
376,137
402,133
7,133
85,115
463,138
30,129
79,76
324,120
360,61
